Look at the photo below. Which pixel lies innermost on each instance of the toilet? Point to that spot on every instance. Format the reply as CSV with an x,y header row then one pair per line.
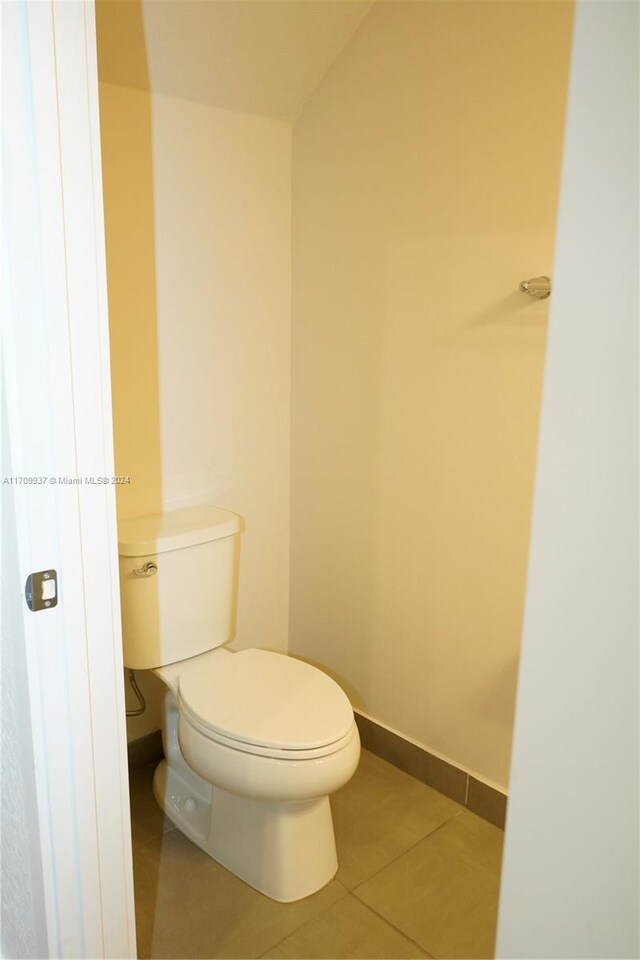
x,y
254,741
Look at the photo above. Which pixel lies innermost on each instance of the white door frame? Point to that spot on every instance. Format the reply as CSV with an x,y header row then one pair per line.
x,y
56,363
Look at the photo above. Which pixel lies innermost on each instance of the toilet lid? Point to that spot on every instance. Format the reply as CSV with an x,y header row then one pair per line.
x,y
268,699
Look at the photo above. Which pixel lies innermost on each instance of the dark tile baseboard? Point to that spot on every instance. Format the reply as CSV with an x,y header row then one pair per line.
x,y
145,750
485,801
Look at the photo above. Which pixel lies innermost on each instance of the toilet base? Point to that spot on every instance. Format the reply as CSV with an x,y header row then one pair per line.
x,y
286,850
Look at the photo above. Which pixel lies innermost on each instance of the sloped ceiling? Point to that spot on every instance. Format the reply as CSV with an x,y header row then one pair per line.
x,y
256,56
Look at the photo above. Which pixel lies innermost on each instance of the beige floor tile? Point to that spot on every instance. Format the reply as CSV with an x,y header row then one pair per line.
x,y
147,819
347,929
380,814
443,893
187,905
477,841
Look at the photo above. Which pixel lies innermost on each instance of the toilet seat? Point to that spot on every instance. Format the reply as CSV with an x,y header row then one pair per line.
x,y
265,703
239,746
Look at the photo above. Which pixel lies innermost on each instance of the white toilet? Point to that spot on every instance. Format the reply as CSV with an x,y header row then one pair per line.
x,y
254,741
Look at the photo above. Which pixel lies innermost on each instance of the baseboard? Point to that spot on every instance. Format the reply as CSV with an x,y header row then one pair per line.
x,y
479,797
145,750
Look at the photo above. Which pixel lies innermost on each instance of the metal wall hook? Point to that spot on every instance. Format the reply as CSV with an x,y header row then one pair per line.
x,y
537,287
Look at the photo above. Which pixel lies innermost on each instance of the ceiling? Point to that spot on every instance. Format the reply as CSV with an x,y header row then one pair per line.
x,y
256,56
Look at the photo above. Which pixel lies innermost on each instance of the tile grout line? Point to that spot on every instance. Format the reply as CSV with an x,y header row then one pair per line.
x,y
308,920
399,930
349,893
393,926
474,863
408,850
138,844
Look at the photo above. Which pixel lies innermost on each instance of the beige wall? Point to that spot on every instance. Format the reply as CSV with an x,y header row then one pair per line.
x,y
130,217
198,210
425,180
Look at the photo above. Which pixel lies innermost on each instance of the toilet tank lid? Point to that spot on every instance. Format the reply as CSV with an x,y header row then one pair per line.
x,y
161,532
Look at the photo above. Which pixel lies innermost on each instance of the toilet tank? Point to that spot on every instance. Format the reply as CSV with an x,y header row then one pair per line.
x,y
178,577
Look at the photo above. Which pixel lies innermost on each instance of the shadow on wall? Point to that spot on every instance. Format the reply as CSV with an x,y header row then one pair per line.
x,y
127,173
352,692
516,308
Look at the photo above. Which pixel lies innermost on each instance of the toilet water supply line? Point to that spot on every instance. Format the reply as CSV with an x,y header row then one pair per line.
x,y
146,570
139,696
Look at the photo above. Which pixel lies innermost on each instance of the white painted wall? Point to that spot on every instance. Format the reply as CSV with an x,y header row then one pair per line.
x,y
223,251
425,178
198,212
570,876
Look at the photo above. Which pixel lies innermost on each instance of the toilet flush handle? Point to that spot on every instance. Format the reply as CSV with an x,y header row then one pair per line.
x,y
146,570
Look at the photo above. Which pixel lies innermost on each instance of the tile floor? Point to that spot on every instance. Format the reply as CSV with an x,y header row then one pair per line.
x,y
418,877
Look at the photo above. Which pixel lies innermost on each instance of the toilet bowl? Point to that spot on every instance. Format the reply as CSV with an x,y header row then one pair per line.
x,y
254,741
254,744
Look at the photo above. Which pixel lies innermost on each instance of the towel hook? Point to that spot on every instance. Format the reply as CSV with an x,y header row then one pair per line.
x,y
537,287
